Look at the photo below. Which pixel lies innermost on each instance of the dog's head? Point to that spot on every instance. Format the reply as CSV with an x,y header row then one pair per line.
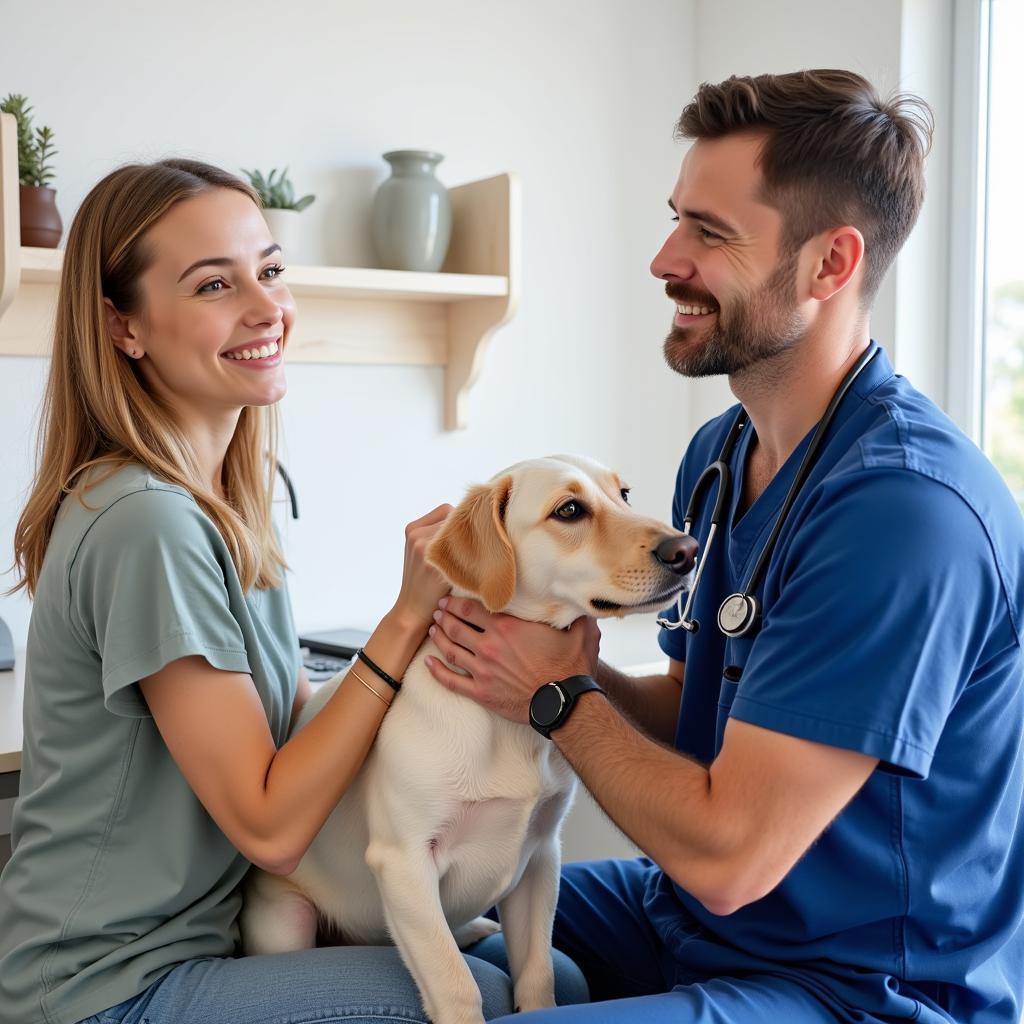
x,y
552,539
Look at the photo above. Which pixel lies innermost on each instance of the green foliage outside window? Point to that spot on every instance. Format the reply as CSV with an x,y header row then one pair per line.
x,y
1004,406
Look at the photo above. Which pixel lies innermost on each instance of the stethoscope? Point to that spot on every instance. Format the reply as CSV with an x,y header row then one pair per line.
x,y
293,502
740,614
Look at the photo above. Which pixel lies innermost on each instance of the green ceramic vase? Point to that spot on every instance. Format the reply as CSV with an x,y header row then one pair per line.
x,y
412,217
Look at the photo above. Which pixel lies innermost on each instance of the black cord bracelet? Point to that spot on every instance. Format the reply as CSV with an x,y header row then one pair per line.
x,y
364,657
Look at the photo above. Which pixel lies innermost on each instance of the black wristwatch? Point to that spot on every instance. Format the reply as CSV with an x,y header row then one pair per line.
x,y
552,704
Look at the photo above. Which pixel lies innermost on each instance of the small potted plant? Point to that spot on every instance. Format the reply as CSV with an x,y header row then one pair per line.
x,y
280,207
40,222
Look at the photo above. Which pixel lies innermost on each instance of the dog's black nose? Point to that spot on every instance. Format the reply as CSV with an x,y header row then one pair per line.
x,y
677,553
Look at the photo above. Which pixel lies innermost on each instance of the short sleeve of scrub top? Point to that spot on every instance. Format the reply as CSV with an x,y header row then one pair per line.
x,y
877,606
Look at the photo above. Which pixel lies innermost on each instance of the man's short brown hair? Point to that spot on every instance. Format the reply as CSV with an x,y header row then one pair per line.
x,y
834,153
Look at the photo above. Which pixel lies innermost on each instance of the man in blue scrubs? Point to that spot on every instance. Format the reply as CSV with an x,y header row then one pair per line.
x,y
832,806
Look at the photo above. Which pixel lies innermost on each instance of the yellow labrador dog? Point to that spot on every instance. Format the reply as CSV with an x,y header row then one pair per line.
x,y
457,809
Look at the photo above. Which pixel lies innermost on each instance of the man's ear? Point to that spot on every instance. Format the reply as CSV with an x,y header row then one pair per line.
x,y
473,549
841,254
120,329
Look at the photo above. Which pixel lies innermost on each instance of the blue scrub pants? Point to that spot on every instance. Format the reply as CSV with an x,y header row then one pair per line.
x,y
634,979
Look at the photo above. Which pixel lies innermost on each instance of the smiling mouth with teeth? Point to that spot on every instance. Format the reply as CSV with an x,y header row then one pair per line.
x,y
689,310
256,352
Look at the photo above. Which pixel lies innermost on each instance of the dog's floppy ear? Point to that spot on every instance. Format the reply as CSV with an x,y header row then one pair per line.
x,y
473,550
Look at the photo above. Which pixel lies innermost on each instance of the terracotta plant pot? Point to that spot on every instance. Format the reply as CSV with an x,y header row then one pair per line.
x,y
40,222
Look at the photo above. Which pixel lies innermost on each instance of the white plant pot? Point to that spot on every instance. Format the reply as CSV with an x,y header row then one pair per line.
x,y
285,229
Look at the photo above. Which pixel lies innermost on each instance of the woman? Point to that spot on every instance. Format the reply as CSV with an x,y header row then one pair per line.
x,y
162,667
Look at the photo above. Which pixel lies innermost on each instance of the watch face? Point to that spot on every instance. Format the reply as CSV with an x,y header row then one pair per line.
x,y
547,705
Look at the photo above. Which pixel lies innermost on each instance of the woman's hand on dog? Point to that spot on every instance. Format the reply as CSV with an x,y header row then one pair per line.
x,y
422,585
506,659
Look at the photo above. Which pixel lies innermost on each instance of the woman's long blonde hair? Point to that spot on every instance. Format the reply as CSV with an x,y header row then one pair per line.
x,y
96,408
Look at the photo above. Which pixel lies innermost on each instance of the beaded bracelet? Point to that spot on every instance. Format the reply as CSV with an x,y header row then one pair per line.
x,y
364,657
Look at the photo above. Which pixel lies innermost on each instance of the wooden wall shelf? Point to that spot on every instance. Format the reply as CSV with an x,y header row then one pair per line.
x,y
346,314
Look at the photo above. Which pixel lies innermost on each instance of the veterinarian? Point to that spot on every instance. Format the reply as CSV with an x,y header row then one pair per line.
x,y
163,664
829,796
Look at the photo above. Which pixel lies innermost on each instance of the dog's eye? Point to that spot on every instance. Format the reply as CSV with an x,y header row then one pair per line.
x,y
625,494
570,510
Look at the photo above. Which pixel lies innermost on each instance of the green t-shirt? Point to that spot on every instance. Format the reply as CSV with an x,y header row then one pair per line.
x,y
117,872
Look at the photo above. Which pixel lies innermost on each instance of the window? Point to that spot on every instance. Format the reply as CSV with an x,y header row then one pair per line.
x,y
1002,354
986,313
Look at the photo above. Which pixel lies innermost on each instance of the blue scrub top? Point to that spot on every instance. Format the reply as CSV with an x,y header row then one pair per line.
x,y
893,614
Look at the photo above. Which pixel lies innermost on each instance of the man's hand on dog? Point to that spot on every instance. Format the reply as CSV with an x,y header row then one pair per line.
x,y
505,659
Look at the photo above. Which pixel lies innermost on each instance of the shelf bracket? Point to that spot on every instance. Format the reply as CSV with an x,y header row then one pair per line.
x,y
485,240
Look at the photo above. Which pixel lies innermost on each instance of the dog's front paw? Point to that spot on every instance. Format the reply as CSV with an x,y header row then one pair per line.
x,y
536,993
451,1015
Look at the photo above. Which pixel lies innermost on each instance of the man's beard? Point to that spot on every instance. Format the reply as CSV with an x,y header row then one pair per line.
x,y
759,327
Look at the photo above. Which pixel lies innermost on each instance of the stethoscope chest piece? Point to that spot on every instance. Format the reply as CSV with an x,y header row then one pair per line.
x,y
739,615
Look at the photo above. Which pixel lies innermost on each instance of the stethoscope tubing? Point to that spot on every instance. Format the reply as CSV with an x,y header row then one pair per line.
x,y
718,472
741,610
685,622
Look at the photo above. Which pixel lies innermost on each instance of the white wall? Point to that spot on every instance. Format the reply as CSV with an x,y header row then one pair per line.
x,y
578,97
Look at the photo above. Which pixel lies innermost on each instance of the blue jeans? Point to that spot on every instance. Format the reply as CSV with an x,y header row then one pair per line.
x,y
354,984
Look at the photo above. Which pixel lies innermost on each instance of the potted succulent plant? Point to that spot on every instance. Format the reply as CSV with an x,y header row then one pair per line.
x,y
280,207
40,221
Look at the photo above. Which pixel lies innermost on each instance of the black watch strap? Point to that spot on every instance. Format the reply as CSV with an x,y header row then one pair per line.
x,y
553,702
